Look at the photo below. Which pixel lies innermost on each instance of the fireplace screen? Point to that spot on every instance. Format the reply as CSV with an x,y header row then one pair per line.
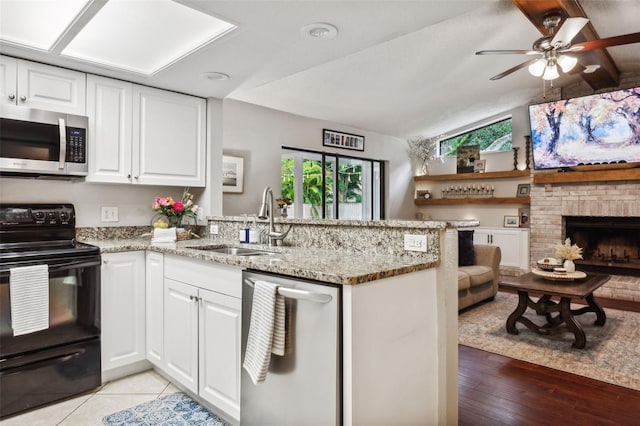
x,y
610,244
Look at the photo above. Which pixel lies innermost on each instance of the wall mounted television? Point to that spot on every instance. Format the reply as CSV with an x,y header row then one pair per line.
x,y
595,129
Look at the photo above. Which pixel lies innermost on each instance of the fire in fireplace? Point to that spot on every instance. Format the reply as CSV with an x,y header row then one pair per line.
x,y
610,244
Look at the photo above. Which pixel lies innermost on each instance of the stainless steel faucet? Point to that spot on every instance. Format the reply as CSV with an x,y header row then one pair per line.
x,y
266,211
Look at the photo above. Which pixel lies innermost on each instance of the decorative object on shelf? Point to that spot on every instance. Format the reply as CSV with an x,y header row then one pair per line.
x,y
548,264
467,157
283,205
424,149
515,157
469,191
423,194
569,253
342,140
527,151
232,174
511,222
480,166
172,213
524,214
523,190
559,276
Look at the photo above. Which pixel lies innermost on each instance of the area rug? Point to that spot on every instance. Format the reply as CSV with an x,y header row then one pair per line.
x,y
612,353
175,409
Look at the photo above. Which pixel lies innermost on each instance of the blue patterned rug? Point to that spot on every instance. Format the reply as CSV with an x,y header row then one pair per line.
x,y
175,409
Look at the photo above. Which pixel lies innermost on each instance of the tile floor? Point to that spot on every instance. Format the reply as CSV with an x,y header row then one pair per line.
x,y
89,409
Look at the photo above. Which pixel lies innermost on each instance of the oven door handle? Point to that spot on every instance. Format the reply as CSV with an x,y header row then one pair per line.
x,y
61,266
7,366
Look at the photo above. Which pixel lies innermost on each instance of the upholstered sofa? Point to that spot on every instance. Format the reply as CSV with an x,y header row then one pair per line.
x,y
479,281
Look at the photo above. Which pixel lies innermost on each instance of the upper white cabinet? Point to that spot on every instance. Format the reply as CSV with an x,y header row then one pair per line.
x,y
123,309
146,136
109,107
513,243
169,138
35,85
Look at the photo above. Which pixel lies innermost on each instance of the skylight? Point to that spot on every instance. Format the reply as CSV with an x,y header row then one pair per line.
x,y
139,36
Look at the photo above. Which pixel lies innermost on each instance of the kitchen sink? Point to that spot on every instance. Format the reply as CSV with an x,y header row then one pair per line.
x,y
236,251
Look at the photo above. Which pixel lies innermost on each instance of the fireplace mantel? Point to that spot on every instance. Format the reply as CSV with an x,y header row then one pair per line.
x,y
587,176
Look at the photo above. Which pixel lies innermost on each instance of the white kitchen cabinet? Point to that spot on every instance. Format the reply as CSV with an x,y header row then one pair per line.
x,y
181,333
123,309
154,295
202,329
109,107
41,86
169,138
513,243
143,135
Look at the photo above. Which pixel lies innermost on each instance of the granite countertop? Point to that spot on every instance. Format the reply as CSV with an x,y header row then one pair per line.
x,y
332,266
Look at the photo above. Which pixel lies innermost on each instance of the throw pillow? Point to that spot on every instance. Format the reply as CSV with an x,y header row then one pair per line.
x,y
466,255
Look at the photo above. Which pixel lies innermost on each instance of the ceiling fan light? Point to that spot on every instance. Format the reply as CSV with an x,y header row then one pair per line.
x,y
537,68
567,63
550,72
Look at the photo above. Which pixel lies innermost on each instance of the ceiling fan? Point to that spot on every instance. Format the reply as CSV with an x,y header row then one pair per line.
x,y
556,49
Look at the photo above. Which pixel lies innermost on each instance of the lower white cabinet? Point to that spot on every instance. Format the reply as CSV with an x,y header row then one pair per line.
x,y
122,309
154,295
202,329
513,243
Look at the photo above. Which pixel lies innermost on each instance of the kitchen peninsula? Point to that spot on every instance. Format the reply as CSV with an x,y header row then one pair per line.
x,y
399,309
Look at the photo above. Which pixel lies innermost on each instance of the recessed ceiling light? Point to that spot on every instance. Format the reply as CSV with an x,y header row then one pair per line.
x,y
319,31
216,76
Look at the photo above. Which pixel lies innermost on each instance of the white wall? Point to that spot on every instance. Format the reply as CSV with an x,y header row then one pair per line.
x,y
258,133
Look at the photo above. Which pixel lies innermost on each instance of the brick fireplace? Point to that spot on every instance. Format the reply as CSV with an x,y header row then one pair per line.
x,y
552,203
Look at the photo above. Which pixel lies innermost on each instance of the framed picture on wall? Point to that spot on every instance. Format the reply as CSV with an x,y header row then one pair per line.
x,y
232,174
523,190
342,140
511,222
479,166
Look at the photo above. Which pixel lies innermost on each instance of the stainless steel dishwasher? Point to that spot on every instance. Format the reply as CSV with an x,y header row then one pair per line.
x,y
303,387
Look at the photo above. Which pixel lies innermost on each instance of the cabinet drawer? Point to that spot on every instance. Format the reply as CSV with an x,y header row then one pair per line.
x,y
209,276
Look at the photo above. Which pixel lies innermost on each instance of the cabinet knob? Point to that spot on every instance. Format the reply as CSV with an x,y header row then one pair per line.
x,y
23,98
135,177
129,176
105,261
12,96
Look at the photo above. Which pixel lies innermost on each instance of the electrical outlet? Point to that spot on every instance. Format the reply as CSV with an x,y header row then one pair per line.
x,y
213,229
109,214
415,242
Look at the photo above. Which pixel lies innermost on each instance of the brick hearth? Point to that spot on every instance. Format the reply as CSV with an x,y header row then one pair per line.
x,y
549,203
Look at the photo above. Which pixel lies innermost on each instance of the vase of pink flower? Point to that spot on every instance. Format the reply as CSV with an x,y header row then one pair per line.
x,y
171,213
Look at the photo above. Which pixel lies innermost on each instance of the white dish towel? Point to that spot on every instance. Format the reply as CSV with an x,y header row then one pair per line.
x,y
29,289
266,330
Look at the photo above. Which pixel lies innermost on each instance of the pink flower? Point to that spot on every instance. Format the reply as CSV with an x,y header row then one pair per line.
x,y
178,206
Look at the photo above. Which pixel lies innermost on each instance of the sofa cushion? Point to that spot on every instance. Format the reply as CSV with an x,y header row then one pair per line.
x,y
464,282
478,274
466,255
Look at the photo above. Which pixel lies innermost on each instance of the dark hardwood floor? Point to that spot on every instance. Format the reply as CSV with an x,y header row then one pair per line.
x,y
496,390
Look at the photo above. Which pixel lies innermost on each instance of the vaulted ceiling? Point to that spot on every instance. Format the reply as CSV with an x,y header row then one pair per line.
x,y
401,68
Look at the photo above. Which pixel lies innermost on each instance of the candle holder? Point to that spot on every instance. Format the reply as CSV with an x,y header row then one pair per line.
x,y
515,157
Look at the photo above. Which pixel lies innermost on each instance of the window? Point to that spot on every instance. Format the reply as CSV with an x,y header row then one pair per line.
x,y
332,186
493,137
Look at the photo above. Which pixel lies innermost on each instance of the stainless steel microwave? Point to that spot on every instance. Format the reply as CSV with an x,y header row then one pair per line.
x,y
36,142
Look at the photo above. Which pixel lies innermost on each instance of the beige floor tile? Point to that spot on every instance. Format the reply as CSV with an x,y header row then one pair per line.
x,y
92,412
47,416
148,382
170,389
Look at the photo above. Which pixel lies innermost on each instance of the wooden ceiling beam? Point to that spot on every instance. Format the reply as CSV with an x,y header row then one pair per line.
x,y
608,74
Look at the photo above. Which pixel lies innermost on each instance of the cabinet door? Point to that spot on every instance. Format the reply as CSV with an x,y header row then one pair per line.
x,y
123,309
51,88
169,134
155,307
481,236
8,80
181,333
219,329
514,247
109,107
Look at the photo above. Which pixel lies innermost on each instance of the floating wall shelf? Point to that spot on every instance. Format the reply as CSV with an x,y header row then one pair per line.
x,y
471,200
587,176
474,176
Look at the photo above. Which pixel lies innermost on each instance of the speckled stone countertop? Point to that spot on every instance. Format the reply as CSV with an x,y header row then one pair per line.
x,y
332,266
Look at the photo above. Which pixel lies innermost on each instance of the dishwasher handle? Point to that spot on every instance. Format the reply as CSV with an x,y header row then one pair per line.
x,y
293,293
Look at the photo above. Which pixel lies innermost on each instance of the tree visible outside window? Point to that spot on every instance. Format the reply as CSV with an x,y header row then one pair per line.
x,y
491,138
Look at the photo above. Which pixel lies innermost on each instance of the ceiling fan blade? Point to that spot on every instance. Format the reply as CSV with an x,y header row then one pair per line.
x,y
606,42
569,29
514,69
507,52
